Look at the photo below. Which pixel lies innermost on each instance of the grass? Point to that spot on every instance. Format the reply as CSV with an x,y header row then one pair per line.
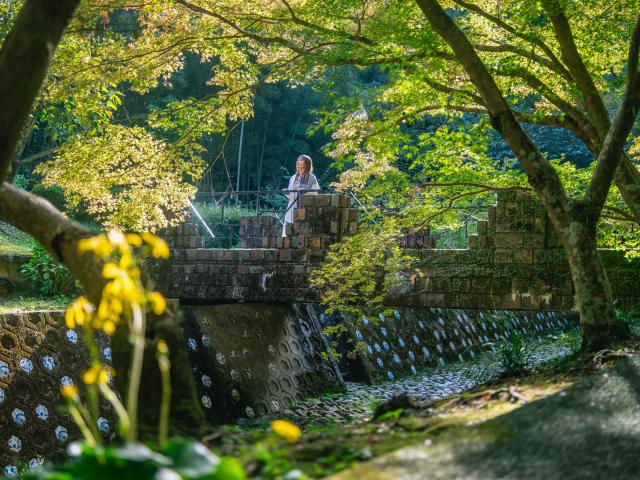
x,y
29,304
13,241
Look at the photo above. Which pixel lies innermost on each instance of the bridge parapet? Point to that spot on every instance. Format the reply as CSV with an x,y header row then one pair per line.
x,y
515,262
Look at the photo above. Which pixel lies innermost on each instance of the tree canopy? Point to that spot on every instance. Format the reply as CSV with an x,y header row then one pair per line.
x,y
486,66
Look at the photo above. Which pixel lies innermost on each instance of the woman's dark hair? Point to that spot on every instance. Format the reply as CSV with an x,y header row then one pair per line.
x,y
308,163
308,168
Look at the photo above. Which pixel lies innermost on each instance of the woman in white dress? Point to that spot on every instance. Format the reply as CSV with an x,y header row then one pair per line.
x,y
304,179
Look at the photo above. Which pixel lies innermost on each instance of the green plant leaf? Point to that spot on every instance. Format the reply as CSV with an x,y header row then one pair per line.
x,y
193,460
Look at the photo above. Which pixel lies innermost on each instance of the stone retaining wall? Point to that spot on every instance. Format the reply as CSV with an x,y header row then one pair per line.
x,y
38,355
248,361
10,272
379,348
257,359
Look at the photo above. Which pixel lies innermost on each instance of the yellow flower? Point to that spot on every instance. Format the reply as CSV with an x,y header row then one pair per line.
x,y
111,270
157,302
130,291
78,312
286,430
123,288
99,245
162,347
126,260
133,239
159,248
109,327
69,392
97,373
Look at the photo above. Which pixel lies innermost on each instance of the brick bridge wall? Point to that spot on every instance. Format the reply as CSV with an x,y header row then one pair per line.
x,y
514,262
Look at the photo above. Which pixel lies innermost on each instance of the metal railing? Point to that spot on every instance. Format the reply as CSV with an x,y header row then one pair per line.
x,y
219,213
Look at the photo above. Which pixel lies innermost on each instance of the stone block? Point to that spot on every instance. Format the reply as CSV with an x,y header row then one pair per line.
x,y
480,285
503,256
441,284
317,255
257,255
284,255
323,200
313,242
523,255
482,226
300,214
307,200
511,240
244,256
531,301
500,285
432,299
204,254
300,255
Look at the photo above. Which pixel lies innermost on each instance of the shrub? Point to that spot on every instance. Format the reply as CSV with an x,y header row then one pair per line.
x,y
48,277
514,355
54,194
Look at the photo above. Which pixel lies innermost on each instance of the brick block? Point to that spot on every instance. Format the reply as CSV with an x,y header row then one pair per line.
x,y
317,255
307,200
323,200
300,214
284,255
204,254
503,256
512,240
523,255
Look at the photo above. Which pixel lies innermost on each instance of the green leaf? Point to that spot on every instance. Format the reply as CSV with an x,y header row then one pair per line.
x,y
193,460
229,469
137,452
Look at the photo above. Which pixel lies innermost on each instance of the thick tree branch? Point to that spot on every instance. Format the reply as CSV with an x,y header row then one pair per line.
x,y
34,158
24,60
627,176
613,145
576,66
55,232
541,175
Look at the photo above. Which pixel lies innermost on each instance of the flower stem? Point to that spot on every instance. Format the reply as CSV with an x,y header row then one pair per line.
x,y
135,370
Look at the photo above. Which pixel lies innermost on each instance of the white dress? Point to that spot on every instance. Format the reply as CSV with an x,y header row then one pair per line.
x,y
295,184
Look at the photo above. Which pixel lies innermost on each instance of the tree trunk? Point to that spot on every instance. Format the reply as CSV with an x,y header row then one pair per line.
x,y
593,297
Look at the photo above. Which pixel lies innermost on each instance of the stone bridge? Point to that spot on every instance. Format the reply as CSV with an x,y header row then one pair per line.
x,y
514,262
